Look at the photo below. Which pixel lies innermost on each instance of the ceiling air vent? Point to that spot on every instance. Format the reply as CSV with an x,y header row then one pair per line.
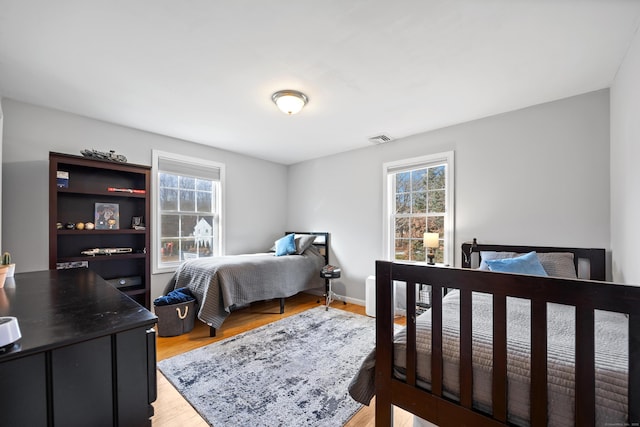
x,y
380,139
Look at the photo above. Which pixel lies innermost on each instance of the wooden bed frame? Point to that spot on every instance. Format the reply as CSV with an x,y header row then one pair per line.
x,y
322,245
585,295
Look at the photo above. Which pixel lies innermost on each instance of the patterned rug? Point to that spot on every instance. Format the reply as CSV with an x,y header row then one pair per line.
x,y
293,372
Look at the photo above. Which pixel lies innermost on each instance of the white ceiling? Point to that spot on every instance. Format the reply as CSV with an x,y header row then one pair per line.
x,y
204,70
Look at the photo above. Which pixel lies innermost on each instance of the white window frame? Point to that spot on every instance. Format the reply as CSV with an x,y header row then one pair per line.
x,y
155,235
390,168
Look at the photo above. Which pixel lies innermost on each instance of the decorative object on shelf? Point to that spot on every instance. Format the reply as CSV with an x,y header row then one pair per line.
x,y
432,243
59,226
72,264
106,251
101,155
79,225
70,226
290,101
126,190
137,223
89,226
107,216
6,260
62,179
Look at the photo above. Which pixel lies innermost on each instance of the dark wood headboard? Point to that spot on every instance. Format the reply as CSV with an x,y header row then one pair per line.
x,y
322,241
595,257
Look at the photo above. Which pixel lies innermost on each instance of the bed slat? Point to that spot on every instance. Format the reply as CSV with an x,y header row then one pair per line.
x,y
499,357
585,368
436,340
538,393
466,350
411,333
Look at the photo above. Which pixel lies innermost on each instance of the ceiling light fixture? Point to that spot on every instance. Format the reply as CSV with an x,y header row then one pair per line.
x,y
290,101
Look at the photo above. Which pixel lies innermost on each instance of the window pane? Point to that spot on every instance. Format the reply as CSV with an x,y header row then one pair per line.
x,y
419,204
208,225
187,201
418,227
417,250
419,180
439,253
187,183
204,184
168,180
203,201
169,250
402,228
169,225
437,178
436,201
402,249
203,248
403,182
435,224
187,225
402,203
188,249
168,199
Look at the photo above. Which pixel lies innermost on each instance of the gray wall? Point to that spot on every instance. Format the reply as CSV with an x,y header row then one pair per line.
x,y
625,170
534,176
1,136
256,190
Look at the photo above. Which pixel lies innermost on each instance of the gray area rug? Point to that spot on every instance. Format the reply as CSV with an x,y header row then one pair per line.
x,y
293,372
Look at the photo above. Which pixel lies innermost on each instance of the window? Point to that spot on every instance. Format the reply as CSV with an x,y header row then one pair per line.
x,y
187,209
419,199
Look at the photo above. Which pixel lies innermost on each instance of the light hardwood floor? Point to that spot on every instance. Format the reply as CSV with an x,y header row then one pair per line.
x,y
171,409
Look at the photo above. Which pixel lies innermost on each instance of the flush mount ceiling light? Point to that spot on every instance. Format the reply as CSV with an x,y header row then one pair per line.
x,y
290,101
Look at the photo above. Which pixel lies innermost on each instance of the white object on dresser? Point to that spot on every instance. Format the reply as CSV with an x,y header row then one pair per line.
x,y
9,331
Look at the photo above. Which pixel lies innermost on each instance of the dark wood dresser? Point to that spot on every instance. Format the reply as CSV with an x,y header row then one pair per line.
x,y
87,355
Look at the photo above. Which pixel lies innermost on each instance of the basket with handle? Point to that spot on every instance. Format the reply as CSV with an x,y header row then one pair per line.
x,y
175,319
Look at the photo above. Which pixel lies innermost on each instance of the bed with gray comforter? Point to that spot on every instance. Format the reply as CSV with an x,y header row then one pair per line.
x,y
221,283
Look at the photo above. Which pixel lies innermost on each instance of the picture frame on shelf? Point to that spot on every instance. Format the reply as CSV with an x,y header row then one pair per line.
x,y
107,216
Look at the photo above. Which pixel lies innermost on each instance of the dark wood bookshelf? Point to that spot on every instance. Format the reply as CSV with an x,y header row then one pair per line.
x,y
88,184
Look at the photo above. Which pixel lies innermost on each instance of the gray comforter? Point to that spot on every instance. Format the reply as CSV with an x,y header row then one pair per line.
x,y
221,283
611,359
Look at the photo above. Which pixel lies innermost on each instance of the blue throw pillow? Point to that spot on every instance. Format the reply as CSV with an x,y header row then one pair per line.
x,y
525,264
286,245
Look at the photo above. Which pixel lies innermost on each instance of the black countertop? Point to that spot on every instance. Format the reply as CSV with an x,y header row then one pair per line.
x,y
55,308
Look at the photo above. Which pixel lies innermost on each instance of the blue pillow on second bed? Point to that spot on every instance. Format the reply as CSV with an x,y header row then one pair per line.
x,y
286,245
525,264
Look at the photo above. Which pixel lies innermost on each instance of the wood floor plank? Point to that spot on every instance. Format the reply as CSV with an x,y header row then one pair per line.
x,y
171,409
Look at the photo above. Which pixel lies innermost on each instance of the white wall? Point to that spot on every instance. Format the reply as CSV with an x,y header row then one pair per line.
x,y
256,189
1,149
625,169
537,176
